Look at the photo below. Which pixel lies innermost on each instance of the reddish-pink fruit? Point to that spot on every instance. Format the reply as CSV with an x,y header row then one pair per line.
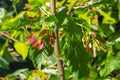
x,y
52,41
94,52
93,34
34,36
96,17
29,36
84,45
41,45
89,47
35,70
90,9
34,43
95,27
26,5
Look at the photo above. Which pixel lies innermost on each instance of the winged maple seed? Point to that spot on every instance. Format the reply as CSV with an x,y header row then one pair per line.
x,y
95,27
28,7
89,47
32,38
90,9
35,43
35,71
96,17
93,34
41,45
52,41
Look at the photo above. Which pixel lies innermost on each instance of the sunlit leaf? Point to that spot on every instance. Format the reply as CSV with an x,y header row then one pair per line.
x,y
13,23
107,17
22,49
35,4
112,63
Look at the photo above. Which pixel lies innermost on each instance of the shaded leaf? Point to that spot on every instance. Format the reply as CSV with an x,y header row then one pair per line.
x,y
3,63
61,15
119,10
15,2
77,55
2,13
51,19
3,48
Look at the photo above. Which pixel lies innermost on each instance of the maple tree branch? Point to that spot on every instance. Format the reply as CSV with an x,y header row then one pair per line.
x,y
56,45
7,36
65,2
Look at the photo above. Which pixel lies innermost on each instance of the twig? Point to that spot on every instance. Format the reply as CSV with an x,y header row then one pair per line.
x,y
42,9
56,45
53,6
71,9
7,36
65,2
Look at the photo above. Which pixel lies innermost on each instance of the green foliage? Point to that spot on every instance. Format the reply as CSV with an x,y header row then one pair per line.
x,y
12,23
119,10
4,63
112,63
15,2
19,22
22,49
35,4
2,14
88,39
76,54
